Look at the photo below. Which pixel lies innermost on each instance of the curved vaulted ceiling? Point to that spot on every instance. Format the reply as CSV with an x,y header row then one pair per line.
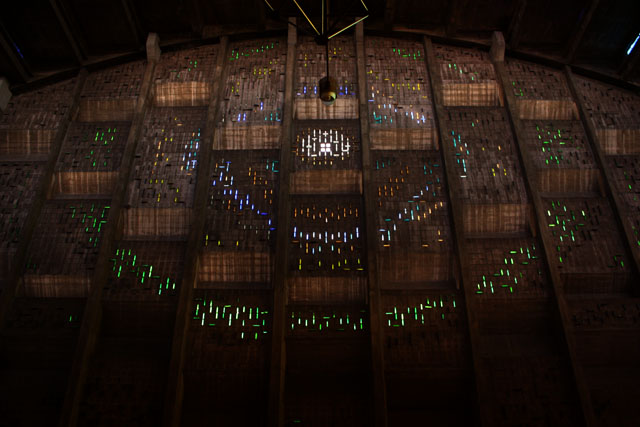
x,y
39,38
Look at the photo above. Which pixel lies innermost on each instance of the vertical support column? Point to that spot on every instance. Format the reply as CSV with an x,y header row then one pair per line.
x,y
611,194
175,385
153,47
278,350
456,209
10,290
497,47
529,177
375,308
90,327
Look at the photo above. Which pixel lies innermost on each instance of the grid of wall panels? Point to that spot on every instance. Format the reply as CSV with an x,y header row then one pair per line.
x,y
145,271
614,113
312,66
588,245
64,247
541,92
90,157
562,154
325,386
327,250
111,94
239,235
28,124
626,177
327,236
253,94
337,321
39,109
508,269
425,335
188,65
20,182
414,322
161,192
122,81
312,63
533,81
227,363
326,144
400,111
326,157
242,200
413,227
427,356
593,259
614,313
468,77
184,77
487,170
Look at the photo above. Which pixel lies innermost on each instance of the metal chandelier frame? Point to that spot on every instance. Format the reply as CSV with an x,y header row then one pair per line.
x,y
324,35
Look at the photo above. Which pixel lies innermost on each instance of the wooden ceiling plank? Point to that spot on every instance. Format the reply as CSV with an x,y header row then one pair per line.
x,y
261,14
514,33
451,24
389,14
136,31
73,42
576,38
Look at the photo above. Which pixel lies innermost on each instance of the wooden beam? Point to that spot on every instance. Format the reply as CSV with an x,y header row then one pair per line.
x,y
278,344
18,62
132,20
614,198
530,173
389,14
75,44
261,15
630,64
14,281
457,224
514,32
451,24
576,38
375,306
197,18
175,389
92,317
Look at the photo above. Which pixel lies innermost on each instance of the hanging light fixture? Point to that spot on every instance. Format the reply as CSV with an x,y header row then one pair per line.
x,y
327,86
328,90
